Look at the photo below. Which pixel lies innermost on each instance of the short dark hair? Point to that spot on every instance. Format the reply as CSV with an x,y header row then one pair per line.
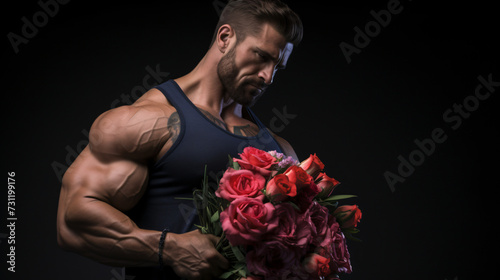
x,y
247,16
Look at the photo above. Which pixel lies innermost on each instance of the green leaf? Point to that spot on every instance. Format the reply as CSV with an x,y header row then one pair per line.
x,y
243,272
215,217
236,166
205,178
350,230
232,163
329,204
339,197
239,266
209,213
184,198
226,275
238,254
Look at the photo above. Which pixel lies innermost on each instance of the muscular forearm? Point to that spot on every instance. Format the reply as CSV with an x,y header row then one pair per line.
x,y
97,230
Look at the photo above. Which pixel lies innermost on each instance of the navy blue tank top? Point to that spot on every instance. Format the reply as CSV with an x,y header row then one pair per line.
x,y
200,143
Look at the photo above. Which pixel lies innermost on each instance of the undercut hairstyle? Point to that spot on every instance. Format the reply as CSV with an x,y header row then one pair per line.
x,y
246,17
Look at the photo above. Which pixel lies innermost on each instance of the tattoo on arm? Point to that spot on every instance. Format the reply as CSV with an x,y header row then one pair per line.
x,y
214,119
174,126
246,130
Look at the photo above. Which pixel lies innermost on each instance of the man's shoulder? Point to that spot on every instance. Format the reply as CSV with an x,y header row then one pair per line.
x,y
134,131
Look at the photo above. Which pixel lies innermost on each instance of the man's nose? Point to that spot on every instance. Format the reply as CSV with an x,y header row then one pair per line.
x,y
267,74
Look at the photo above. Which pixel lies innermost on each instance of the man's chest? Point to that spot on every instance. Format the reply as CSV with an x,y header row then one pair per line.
x,y
236,125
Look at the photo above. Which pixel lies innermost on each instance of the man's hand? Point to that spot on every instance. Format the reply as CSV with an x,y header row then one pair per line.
x,y
192,255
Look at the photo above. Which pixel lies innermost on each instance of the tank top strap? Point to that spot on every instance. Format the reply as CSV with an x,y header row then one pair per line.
x,y
255,119
178,99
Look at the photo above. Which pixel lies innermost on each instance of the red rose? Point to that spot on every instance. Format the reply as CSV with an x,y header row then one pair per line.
x,y
348,216
293,229
241,183
334,247
340,257
305,196
271,259
317,265
312,165
298,176
326,185
280,187
319,217
247,219
255,159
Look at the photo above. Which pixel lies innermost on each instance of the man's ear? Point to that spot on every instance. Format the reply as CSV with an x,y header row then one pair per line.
x,y
224,36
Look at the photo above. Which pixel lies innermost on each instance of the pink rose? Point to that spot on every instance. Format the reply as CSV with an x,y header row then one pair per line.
x,y
247,219
280,188
293,229
241,183
258,160
326,185
271,259
312,165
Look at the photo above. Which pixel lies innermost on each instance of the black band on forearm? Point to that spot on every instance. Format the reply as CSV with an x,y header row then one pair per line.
x,y
160,247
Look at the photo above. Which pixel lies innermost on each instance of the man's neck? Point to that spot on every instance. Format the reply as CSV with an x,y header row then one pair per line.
x,y
202,85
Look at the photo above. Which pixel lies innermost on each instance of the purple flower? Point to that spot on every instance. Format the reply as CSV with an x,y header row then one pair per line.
x,y
288,161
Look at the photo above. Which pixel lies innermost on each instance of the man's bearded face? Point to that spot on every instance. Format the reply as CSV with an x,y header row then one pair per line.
x,y
247,90
248,68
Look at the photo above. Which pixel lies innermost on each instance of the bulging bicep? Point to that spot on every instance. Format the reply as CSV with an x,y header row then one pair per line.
x,y
113,167
119,182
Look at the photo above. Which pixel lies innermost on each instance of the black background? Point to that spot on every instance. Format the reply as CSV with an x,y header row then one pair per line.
x,y
358,117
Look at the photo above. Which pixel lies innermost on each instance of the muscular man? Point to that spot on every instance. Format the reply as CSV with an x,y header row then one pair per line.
x,y
120,193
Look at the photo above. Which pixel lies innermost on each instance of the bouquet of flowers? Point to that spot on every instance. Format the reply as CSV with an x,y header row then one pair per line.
x,y
277,218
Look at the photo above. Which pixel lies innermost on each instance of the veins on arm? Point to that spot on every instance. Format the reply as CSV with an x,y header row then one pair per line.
x,y
131,131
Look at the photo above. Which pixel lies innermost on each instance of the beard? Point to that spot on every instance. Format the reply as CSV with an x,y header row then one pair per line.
x,y
247,91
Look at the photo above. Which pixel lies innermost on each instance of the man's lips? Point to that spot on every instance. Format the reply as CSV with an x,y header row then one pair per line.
x,y
257,87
